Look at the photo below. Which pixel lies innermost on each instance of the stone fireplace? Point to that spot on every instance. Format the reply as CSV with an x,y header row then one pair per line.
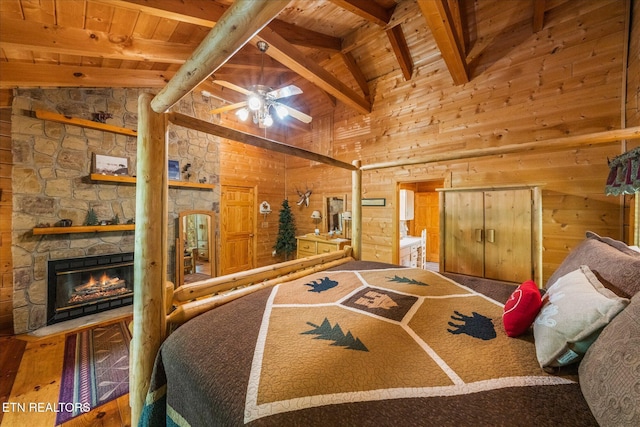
x,y
52,163
81,286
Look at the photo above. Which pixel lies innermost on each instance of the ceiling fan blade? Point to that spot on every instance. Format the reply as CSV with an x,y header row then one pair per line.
x,y
232,86
284,92
304,118
229,107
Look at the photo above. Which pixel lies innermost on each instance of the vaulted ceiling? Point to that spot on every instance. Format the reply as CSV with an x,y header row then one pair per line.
x,y
332,49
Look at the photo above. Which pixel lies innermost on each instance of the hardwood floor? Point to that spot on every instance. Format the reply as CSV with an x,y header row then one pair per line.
x,y
31,375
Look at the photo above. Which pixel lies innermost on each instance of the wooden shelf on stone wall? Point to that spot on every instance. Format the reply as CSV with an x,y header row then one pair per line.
x,y
132,180
83,229
59,118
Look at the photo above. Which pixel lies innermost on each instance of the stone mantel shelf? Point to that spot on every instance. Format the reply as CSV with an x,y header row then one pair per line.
x,y
132,180
83,229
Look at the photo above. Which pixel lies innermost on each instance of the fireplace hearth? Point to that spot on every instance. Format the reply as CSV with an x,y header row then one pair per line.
x,y
81,286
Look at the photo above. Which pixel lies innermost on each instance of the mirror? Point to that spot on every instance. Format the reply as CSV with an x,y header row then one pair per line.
x,y
334,206
195,247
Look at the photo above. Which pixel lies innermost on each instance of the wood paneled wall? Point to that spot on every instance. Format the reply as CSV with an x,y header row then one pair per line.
x,y
6,206
249,166
565,80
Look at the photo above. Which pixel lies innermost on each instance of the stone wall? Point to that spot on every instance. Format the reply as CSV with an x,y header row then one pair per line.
x,y
52,162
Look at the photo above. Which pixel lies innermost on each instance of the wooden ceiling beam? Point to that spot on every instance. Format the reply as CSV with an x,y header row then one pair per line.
x,y
369,10
29,35
350,62
289,56
401,50
441,23
239,24
256,141
46,75
208,13
538,15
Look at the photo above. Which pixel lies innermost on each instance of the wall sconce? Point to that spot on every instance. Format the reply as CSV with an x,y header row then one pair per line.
x,y
316,217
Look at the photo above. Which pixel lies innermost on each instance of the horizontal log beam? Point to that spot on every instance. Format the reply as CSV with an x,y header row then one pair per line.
x,y
256,141
192,309
549,144
210,286
23,75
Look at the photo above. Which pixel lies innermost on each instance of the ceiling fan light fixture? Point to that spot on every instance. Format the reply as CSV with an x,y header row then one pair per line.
x,y
255,102
243,114
281,111
267,121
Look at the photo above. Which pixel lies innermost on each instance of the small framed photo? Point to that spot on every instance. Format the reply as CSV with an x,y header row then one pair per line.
x,y
174,170
110,165
374,202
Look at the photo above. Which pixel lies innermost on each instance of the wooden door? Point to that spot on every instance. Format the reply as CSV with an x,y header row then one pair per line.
x,y
507,222
427,216
237,229
463,232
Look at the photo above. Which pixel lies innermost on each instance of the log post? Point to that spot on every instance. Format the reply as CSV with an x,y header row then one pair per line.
x,y
150,262
237,26
356,211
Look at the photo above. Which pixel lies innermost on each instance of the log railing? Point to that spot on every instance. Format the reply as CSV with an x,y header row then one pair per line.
x,y
193,299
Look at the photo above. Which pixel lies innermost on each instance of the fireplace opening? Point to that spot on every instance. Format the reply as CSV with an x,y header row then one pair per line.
x,y
81,286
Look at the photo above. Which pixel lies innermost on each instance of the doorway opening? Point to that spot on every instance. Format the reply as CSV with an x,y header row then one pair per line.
x,y
418,224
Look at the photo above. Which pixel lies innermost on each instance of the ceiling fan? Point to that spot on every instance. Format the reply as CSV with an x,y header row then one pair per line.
x,y
262,100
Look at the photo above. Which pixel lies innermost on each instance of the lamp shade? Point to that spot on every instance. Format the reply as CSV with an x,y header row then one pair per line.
x,y
315,215
346,216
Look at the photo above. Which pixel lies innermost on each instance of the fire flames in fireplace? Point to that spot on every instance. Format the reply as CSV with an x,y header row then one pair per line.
x,y
87,285
104,287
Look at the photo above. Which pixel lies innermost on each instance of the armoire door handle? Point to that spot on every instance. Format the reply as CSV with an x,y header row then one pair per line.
x,y
491,235
479,235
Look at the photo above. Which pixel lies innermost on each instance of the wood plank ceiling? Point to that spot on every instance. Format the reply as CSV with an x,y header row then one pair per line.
x,y
332,49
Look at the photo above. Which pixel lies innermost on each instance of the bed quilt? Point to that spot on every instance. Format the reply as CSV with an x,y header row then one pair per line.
x,y
370,347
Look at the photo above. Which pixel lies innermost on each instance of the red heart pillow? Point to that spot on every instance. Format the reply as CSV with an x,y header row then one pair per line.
x,y
521,308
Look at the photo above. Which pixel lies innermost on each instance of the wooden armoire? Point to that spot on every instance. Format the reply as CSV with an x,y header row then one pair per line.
x,y
492,232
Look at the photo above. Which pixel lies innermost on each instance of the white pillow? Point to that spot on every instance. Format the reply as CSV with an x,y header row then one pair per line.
x,y
574,311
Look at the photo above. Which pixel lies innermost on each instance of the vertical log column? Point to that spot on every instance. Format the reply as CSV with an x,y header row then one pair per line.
x,y
150,251
356,211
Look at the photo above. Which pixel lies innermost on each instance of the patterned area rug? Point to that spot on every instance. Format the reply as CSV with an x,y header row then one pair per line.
x,y
95,370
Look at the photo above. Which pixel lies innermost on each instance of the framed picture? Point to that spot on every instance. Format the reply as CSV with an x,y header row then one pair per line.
x,y
110,165
374,202
174,170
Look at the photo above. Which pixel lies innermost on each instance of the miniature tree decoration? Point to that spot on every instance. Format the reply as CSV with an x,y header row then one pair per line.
x,y
286,241
92,218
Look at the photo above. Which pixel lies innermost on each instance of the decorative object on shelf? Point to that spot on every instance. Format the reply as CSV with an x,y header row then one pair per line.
x,y
374,202
110,165
115,220
202,180
100,117
286,240
262,99
92,218
174,170
304,197
186,170
64,223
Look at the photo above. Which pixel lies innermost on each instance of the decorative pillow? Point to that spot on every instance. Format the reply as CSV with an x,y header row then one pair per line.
x,y
615,264
610,371
574,311
521,308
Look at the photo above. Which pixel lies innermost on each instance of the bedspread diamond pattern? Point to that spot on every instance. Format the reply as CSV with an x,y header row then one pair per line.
x,y
340,340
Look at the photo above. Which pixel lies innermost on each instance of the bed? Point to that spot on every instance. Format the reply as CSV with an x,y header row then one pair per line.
x,y
359,344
